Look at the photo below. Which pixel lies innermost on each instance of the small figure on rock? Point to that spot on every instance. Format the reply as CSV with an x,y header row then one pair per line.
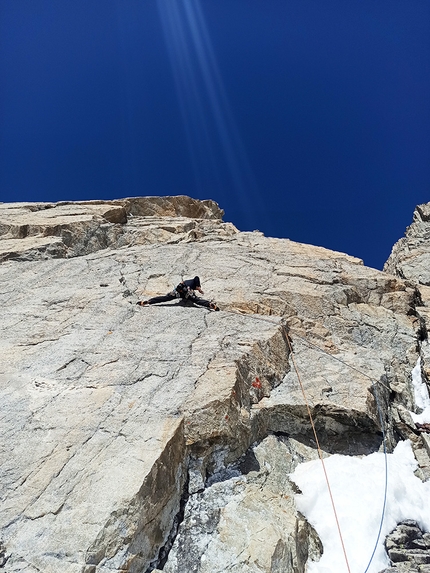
x,y
184,290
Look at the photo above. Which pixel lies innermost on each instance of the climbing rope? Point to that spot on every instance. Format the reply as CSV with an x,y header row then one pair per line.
x,y
319,449
374,382
383,438
385,487
306,341
341,361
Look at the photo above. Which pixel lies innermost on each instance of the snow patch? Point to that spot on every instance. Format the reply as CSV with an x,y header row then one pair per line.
x,y
421,394
358,486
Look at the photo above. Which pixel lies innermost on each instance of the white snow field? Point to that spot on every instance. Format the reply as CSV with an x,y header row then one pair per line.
x,y
358,487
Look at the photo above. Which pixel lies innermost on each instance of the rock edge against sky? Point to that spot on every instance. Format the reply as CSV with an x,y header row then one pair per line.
x,y
119,422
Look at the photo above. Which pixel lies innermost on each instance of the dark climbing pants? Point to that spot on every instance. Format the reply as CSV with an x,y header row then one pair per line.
x,y
164,298
172,295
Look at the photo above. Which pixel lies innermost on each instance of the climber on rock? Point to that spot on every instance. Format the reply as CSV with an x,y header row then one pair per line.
x,y
184,290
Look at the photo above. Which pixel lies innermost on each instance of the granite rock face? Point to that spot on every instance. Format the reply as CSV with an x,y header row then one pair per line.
x,y
139,439
410,257
409,549
32,231
255,500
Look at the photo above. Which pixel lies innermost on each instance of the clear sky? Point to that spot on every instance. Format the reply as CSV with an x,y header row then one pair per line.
x,y
306,119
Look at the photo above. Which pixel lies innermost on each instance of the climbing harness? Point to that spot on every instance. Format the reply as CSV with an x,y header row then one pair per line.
x,y
182,291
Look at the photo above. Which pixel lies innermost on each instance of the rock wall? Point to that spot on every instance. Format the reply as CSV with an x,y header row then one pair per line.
x,y
140,439
407,546
410,259
410,256
32,231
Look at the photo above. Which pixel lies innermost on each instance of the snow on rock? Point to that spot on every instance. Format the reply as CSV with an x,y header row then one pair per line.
x,y
421,394
358,487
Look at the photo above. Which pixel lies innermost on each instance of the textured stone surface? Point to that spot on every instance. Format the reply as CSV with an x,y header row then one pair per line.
x,y
408,548
111,413
410,257
94,392
407,568
246,522
31,231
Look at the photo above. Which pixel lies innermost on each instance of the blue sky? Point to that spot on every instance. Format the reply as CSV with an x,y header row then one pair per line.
x,y
306,119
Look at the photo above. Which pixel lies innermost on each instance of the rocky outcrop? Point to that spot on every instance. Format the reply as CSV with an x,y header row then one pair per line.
x,y
254,499
409,549
410,256
138,439
410,259
33,231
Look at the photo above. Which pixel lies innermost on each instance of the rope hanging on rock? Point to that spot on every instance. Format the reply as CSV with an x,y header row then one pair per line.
x,y
341,361
318,447
374,382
